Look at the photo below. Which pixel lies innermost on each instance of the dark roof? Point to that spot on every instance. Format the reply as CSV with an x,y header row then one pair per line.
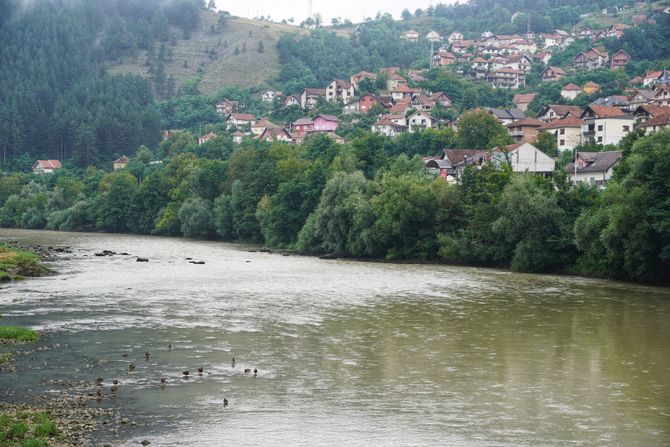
x,y
658,120
458,156
527,121
596,161
515,114
562,110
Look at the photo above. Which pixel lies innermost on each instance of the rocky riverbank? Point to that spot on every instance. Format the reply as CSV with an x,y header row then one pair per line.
x,y
18,261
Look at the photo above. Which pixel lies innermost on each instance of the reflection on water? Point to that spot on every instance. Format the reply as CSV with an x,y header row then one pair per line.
x,y
347,352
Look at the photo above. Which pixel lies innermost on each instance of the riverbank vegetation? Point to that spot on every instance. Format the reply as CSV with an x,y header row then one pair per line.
x,y
15,334
16,264
370,198
27,429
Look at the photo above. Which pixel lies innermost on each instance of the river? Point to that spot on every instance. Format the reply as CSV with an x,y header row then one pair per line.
x,y
347,352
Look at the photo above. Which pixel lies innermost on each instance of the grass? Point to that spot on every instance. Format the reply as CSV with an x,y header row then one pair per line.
x,y
15,334
16,264
212,55
5,357
27,429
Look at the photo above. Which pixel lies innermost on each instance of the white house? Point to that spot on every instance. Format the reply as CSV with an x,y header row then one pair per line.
x,y
420,120
595,168
46,166
525,157
453,37
567,132
240,120
571,91
606,124
270,95
339,90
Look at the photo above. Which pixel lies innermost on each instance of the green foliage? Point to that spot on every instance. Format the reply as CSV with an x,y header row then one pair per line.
x,y
480,130
116,194
196,217
15,334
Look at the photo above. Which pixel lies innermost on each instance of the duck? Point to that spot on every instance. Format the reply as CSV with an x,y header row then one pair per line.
x,y
247,370
233,363
131,367
200,370
225,402
147,355
115,382
255,371
169,346
185,373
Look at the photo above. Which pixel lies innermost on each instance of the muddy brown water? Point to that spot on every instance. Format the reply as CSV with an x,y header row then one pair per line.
x,y
347,352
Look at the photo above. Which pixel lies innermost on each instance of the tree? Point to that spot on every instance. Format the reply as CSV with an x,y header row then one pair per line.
x,y
211,4
117,192
480,130
197,219
546,142
406,15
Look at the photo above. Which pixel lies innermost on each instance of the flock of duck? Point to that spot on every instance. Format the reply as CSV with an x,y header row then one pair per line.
x,y
163,381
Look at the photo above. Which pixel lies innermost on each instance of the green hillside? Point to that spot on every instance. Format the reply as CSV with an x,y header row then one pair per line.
x,y
209,54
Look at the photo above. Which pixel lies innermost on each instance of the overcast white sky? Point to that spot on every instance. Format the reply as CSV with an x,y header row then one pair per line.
x,y
355,10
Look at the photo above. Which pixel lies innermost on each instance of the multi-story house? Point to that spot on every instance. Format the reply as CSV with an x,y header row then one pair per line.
x,y
590,59
605,125
507,78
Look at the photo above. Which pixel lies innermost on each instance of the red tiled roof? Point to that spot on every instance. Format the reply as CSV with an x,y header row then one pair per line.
x,y
568,121
49,164
658,120
572,87
606,111
527,122
523,98
243,116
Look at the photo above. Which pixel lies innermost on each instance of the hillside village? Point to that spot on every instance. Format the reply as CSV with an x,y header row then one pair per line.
x,y
401,105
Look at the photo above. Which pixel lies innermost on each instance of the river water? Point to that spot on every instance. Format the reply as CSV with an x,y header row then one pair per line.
x,y
347,352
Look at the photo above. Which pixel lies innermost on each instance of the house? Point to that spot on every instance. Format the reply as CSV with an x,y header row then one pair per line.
x,y
358,77
401,107
274,134
302,125
225,107
46,166
519,62
441,98
543,56
480,66
389,70
237,136
567,131
453,37
327,123
507,78
443,58
433,36
120,163
551,74
422,102
411,35
571,91
647,111
205,138
590,59
619,59
416,75
461,46
656,77
524,157
240,120
656,123
524,130
616,31
350,108
309,97
339,90
505,116
606,125
270,95
452,162
662,95
555,111
291,100
420,120
403,91
388,126
594,168
639,97
521,100
524,46
614,100
591,88
394,81
260,126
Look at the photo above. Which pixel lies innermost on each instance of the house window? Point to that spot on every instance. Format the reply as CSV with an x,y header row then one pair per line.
x,y
600,128
626,128
600,139
562,142
562,132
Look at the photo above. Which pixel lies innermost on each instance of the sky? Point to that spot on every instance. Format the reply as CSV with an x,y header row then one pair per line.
x,y
355,10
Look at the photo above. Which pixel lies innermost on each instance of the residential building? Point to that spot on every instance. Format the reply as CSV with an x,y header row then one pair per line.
x,y
594,168
656,123
645,112
411,35
225,107
358,77
555,111
302,125
507,78
237,136
505,116
524,157
606,125
521,100
656,77
453,37
203,139
240,120
388,126
619,59
567,132
328,123
403,91
519,62
662,95
571,91
591,88
441,98
260,126
309,97
394,81
452,162
551,74
590,59
46,166
640,97
339,90
524,130
291,100
433,36
443,58
275,134
120,163
420,120
270,95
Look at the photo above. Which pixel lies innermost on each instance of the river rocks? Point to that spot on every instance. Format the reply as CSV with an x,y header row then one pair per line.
x,y
197,262
145,442
265,250
142,259
328,256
